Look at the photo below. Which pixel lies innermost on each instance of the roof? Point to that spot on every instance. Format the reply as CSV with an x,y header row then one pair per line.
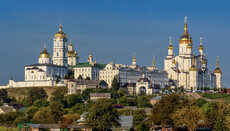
x,y
156,98
53,126
89,65
100,94
126,122
144,80
23,109
45,64
7,109
88,82
34,125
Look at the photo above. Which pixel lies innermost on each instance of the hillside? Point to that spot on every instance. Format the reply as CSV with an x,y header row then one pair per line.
x,y
23,91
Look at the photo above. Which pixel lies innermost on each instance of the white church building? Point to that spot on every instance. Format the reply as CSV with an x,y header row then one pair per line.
x,y
187,70
46,71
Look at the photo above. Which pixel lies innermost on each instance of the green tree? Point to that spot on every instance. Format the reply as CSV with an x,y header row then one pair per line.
x,y
58,79
59,93
202,88
72,99
127,101
35,94
200,102
87,78
71,77
216,112
215,89
86,93
102,115
175,89
80,77
198,88
139,117
41,103
143,102
66,77
3,95
162,111
49,115
181,89
189,116
115,84
191,89
78,108
31,111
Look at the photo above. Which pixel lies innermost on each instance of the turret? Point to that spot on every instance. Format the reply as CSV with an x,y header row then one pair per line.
x,y
174,63
44,57
204,63
218,74
185,40
201,48
90,58
170,47
73,57
193,75
134,63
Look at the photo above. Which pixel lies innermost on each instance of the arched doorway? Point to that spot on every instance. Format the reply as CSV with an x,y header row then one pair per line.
x,y
142,90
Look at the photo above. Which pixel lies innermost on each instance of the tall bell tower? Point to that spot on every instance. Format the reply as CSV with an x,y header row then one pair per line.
x,y
60,48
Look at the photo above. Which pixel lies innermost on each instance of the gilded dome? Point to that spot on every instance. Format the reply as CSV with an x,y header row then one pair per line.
x,y
201,47
193,67
60,33
189,46
72,54
170,47
44,54
217,70
185,38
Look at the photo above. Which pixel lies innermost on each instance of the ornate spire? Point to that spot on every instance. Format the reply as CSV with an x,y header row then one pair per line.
x,y
200,40
185,25
44,45
154,62
170,43
201,47
60,26
134,57
71,42
217,70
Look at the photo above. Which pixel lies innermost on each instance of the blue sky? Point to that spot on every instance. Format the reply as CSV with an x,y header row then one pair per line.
x,y
112,29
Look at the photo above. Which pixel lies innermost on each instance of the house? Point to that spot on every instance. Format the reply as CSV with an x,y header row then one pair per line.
x,y
126,122
131,88
6,109
81,85
95,96
154,100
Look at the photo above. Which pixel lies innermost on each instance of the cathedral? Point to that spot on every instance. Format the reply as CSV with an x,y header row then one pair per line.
x,y
47,70
186,69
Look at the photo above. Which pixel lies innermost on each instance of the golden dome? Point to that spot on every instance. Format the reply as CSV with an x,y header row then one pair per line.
x,y
201,47
134,58
189,46
185,38
204,62
44,54
170,45
217,70
60,33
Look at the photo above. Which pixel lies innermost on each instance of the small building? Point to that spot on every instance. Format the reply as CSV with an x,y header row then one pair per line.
x,y
154,100
81,85
126,122
6,109
131,88
95,96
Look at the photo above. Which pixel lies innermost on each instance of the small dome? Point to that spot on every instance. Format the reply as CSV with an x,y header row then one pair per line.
x,y
201,47
170,47
44,54
72,54
217,70
189,46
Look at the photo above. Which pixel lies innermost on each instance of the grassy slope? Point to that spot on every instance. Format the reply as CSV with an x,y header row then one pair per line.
x,y
225,97
23,91
3,128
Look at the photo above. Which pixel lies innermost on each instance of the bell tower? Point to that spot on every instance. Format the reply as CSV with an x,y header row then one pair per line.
x,y
60,48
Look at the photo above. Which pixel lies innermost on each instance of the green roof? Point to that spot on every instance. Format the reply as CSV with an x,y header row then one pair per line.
x,y
23,109
89,65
